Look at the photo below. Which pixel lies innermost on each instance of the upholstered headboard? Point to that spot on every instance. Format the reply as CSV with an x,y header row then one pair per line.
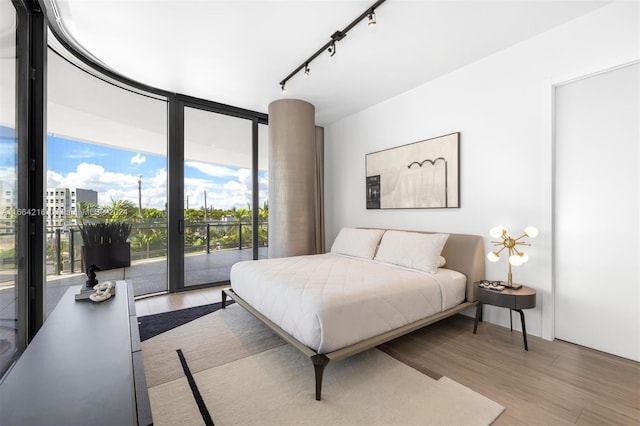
x,y
464,253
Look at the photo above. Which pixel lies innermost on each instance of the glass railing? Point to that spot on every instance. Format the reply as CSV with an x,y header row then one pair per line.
x,y
8,267
149,241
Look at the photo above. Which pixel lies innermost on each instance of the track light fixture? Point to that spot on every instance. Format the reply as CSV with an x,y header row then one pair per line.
x,y
330,46
372,18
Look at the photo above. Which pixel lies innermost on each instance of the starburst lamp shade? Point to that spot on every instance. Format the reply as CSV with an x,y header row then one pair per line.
x,y
516,256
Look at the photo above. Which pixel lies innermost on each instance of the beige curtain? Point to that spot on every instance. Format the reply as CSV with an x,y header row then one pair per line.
x,y
319,209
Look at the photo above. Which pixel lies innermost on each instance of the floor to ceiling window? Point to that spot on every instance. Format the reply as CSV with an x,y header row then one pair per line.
x,y
9,213
82,145
218,192
106,163
106,157
96,152
263,188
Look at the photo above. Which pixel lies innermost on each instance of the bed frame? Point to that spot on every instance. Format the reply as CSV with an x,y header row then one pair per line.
x,y
464,253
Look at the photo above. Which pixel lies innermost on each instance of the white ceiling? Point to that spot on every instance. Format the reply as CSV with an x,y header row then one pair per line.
x,y
236,52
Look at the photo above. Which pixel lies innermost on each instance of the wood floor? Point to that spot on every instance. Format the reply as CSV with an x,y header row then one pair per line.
x,y
172,302
554,383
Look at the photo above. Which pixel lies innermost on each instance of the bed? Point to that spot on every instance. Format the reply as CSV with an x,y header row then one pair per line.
x,y
373,286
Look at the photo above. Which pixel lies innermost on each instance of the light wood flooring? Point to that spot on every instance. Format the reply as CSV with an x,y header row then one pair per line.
x,y
172,302
554,383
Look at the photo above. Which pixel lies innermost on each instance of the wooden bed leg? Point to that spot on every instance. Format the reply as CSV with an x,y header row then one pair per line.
x,y
320,361
224,299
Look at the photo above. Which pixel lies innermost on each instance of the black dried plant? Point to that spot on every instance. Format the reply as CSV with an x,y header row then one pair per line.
x,y
94,234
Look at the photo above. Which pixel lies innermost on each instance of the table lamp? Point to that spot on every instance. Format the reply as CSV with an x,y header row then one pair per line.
x,y
516,257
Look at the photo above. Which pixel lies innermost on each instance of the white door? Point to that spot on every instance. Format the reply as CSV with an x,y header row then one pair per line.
x,y
597,215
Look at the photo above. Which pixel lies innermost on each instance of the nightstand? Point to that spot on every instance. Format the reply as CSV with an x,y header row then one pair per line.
x,y
515,300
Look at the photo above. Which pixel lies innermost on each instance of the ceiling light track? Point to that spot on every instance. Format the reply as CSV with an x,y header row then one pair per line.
x,y
330,46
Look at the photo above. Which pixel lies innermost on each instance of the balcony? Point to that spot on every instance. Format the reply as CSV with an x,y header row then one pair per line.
x,y
211,249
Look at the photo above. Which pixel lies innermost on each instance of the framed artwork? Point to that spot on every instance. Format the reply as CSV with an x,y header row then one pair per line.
x,y
420,175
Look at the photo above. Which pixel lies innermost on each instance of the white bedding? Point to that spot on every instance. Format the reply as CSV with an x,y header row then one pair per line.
x,y
330,301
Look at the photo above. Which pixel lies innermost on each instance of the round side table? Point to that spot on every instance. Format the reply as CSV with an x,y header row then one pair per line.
x,y
515,300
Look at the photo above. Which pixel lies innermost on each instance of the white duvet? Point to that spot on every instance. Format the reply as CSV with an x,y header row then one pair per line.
x,y
330,301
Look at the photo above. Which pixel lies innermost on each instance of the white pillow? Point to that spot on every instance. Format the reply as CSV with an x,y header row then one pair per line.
x,y
412,249
357,242
441,262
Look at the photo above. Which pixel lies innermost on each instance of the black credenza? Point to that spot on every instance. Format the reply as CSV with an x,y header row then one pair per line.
x,y
84,367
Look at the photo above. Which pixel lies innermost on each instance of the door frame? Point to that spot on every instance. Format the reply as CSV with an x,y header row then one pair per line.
x,y
175,159
548,327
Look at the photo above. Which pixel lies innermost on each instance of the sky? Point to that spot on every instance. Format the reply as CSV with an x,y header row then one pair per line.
x,y
114,174
7,159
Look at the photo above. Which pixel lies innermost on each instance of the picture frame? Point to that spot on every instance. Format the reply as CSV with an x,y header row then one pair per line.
x,y
422,175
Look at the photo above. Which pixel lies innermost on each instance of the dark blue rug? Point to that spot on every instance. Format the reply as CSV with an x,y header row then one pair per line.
x,y
152,325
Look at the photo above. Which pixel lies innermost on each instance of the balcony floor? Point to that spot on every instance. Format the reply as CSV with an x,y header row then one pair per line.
x,y
150,276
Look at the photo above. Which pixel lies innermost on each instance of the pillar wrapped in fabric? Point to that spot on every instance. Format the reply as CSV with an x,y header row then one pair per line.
x,y
292,152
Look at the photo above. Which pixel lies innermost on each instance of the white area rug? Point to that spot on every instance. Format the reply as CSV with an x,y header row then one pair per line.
x,y
276,387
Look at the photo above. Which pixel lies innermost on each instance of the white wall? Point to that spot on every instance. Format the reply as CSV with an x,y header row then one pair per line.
x,y
502,105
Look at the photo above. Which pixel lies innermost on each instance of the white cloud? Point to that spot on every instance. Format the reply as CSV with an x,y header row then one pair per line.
x,y
233,192
225,195
9,149
54,179
113,186
211,169
138,159
244,176
8,178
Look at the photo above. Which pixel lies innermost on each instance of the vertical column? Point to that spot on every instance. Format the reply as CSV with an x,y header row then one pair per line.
x,y
292,191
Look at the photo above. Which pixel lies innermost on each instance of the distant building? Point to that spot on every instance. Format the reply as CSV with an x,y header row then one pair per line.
x,y
62,204
7,198
8,205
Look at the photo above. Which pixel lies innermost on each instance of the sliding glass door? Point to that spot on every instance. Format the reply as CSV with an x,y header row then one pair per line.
x,y
218,196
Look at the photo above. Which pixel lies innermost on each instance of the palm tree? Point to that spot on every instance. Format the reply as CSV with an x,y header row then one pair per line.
x,y
122,209
263,224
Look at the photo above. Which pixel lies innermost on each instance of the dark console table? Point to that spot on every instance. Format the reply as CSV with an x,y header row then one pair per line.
x,y
84,367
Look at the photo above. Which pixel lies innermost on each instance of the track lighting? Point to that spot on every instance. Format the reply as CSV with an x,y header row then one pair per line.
x,y
283,88
330,46
372,18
